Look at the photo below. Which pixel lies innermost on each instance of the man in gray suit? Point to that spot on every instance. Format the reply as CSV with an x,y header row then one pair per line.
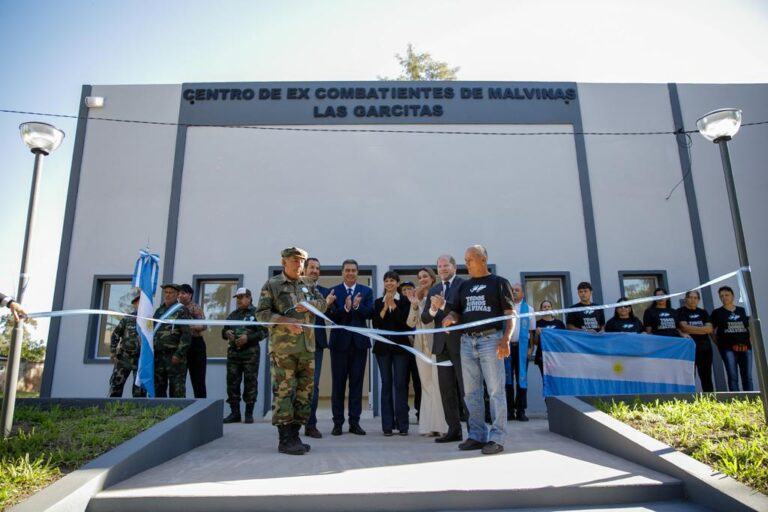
x,y
15,307
446,347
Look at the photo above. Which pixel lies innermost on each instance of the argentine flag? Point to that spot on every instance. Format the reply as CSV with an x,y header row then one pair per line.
x,y
580,363
145,276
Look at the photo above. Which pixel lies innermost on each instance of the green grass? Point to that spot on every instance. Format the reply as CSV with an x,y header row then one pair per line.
x,y
731,437
45,445
23,394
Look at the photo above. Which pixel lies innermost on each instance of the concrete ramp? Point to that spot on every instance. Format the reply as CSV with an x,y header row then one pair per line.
x,y
243,471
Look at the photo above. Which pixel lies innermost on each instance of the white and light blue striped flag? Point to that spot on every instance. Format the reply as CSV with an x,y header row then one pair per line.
x,y
145,276
580,363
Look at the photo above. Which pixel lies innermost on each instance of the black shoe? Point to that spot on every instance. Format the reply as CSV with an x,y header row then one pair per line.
x,y
471,444
311,431
403,432
521,416
234,417
388,433
249,413
336,430
354,428
450,437
492,448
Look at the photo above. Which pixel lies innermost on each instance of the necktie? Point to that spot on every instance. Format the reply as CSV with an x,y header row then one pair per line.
x,y
447,286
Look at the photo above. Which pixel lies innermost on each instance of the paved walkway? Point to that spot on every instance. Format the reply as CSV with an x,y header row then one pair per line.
x,y
374,472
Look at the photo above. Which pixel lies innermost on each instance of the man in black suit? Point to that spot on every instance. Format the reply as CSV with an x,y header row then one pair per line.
x,y
353,306
312,271
446,347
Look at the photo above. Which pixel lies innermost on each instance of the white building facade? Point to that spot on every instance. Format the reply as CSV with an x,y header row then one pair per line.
x,y
562,182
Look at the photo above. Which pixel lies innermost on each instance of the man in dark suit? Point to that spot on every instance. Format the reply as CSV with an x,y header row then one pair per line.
x,y
353,306
312,271
446,347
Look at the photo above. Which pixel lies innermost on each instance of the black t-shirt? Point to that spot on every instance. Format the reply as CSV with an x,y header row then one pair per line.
x,y
480,298
555,323
695,318
631,324
662,321
731,327
593,319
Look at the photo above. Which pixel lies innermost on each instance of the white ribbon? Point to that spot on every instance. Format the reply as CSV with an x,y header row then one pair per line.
x,y
377,334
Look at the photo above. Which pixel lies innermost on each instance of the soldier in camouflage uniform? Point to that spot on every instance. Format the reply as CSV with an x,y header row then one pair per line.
x,y
243,356
171,345
124,348
291,347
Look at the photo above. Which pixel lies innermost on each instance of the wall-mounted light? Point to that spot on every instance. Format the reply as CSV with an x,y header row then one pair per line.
x,y
94,101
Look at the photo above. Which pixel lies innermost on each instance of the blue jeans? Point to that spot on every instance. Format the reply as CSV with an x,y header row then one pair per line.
x,y
316,390
393,367
738,363
479,362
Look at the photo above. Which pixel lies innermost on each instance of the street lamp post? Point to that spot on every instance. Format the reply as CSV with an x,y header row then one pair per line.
x,y
719,126
42,139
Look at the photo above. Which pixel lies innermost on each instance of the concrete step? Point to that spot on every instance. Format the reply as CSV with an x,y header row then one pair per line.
x,y
665,506
243,471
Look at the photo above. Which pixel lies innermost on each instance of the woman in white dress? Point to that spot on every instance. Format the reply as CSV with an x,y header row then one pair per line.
x,y
431,418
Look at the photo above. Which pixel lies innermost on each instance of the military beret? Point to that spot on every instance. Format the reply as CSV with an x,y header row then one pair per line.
x,y
171,285
294,251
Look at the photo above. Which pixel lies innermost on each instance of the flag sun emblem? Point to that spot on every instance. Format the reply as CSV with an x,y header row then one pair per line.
x,y
618,368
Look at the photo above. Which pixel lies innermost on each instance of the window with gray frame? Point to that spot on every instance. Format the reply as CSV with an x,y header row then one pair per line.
x,y
113,293
552,286
215,294
636,284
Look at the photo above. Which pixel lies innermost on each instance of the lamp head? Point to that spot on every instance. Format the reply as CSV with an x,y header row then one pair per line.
x,y
720,124
41,137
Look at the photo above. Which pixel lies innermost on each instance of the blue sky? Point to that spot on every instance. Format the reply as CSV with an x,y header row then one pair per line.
x,y
48,49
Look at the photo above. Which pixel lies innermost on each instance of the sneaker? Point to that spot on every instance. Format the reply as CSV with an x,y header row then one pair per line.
x,y
471,444
492,448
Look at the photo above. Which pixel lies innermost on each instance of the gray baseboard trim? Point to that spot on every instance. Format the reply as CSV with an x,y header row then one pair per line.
x,y
573,417
198,423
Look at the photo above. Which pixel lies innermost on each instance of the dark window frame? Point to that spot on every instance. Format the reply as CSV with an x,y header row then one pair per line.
x,y
564,275
94,321
661,274
197,286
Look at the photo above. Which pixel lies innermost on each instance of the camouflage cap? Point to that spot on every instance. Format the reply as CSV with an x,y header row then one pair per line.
x,y
294,251
171,285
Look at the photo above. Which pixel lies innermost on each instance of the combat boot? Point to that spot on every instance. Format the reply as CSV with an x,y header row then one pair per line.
x,y
288,444
248,413
234,416
295,429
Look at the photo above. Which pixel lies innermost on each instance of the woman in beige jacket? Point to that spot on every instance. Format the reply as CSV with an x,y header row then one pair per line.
x,y
431,418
